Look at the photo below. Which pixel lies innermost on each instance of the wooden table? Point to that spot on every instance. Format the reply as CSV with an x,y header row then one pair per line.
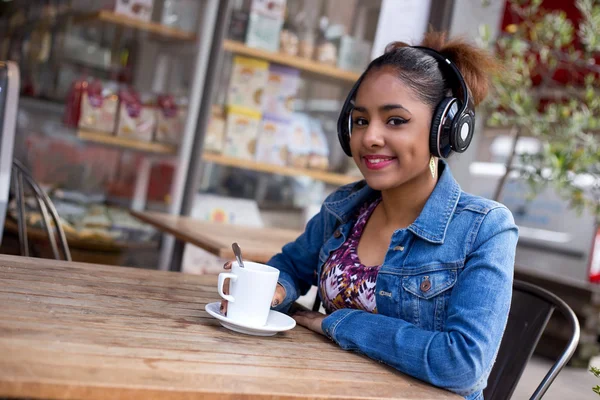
x,y
258,244
82,331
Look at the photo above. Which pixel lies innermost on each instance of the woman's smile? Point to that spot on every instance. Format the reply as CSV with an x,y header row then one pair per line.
x,y
378,162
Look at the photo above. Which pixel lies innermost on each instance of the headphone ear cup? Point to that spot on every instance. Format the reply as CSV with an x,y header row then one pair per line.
x,y
462,132
439,135
344,130
344,123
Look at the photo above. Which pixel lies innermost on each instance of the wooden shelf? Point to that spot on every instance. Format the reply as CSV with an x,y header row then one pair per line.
x,y
328,177
152,27
132,144
296,62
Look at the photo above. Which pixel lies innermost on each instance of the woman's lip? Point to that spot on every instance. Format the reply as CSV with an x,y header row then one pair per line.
x,y
376,163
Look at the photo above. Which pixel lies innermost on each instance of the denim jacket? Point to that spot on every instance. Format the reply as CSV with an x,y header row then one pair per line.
x,y
443,292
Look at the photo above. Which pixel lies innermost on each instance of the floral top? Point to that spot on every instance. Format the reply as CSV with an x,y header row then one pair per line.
x,y
345,281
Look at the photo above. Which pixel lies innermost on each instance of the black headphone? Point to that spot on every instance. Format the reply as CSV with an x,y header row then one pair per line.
x,y
453,120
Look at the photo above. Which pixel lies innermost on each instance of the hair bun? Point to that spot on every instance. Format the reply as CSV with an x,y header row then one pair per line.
x,y
475,64
395,46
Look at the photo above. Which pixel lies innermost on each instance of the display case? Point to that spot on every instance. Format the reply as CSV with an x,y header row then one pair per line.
x,y
106,88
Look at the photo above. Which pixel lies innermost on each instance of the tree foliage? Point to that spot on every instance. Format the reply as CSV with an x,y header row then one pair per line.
x,y
548,88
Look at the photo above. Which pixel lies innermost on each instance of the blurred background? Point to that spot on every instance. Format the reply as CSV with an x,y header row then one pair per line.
x,y
226,111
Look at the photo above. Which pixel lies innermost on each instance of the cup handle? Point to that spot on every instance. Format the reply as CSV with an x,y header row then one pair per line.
x,y
222,277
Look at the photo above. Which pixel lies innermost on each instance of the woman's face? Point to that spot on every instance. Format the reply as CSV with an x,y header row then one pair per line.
x,y
390,131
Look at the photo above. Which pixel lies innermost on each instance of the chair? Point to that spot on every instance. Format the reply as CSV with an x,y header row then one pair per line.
x,y
530,311
21,175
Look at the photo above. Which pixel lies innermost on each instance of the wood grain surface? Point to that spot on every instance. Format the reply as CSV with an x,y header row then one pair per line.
x,y
83,331
257,244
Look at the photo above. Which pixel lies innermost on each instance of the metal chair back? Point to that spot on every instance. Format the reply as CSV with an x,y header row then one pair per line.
x,y
530,311
22,177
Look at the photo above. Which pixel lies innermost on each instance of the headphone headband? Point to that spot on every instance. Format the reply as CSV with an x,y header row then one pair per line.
x,y
445,63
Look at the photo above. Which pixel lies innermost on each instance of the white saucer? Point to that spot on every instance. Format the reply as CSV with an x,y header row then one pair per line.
x,y
277,322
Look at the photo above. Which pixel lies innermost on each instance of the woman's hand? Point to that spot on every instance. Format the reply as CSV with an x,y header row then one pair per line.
x,y
310,319
277,297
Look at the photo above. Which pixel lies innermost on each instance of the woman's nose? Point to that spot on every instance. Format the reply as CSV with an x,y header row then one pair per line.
x,y
373,137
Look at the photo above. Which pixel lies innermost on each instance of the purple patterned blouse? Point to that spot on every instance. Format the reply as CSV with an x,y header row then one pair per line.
x,y
345,281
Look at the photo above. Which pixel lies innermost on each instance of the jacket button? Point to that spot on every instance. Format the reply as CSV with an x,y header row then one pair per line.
x,y
399,248
425,285
337,234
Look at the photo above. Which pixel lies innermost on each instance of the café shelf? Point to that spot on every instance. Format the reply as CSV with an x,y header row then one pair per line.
x,y
300,63
121,142
327,177
160,30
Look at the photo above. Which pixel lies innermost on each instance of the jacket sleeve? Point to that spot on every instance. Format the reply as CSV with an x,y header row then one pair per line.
x,y
298,260
459,358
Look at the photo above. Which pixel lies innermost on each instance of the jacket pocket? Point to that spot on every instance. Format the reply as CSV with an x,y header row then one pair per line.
x,y
425,298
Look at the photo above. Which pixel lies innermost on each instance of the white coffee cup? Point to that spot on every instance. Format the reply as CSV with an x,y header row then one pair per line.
x,y
251,291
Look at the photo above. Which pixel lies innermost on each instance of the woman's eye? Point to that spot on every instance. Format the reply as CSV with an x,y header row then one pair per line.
x,y
396,121
361,121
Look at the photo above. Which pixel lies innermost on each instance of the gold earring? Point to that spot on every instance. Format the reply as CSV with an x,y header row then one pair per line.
x,y
432,166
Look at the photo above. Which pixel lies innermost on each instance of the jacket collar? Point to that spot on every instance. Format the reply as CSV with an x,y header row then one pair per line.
x,y
430,225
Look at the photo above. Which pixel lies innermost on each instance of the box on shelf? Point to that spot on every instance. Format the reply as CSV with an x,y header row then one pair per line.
x,y
248,80
272,142
136,119
265,23
170,120
98,109
280,91
319,149
138,9
274,9
214,141
299,141
241,133
326,51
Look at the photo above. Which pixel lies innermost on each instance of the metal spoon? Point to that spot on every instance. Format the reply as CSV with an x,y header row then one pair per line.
x,y
238,254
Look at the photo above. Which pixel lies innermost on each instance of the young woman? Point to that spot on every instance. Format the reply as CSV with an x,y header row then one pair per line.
x,y
412,271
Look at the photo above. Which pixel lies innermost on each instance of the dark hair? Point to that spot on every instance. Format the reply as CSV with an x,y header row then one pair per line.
x,y
421,72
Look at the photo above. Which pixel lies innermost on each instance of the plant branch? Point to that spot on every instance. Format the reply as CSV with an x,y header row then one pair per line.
x,y
561,55
516,134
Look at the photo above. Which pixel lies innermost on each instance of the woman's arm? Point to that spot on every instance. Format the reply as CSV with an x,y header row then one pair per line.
x,y
299,259
459,358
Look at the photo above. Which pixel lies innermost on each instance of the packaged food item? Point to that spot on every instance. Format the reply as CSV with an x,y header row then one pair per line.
x,y
248,79
170,119
288,42
319,148
280,91
327,43
299,141
137,119
241,133
73,102
214,141
265,23
307,44
138,9
326,53
272,141
98,110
